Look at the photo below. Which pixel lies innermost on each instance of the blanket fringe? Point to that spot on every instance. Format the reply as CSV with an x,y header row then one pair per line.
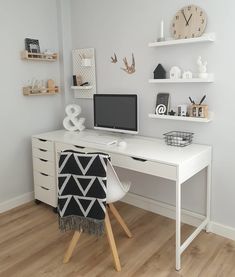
x,y
81,224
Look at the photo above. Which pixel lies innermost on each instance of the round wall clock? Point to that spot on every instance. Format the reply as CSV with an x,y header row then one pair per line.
x,y
189,22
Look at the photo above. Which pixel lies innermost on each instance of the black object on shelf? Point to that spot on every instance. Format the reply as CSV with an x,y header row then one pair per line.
x,y
159,72
75,80
171,112
178,138
192,101
203,98
84,84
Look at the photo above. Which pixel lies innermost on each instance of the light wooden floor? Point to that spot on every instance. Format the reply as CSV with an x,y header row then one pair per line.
x,y
31,245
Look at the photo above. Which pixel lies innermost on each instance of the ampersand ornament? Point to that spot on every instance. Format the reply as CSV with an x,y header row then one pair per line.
x,y
71,121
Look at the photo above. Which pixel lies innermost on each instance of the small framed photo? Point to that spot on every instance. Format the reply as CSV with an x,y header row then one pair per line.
x,y
162,104
32,45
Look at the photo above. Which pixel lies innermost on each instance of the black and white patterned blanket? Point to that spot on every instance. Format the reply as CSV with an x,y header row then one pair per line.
x,y
82,191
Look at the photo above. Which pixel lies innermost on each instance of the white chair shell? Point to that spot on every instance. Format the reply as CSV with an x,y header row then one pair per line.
x,y
116,189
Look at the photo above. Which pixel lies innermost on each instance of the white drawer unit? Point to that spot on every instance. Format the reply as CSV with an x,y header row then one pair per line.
x,y
45,195
44,171
43,154
145,166
44,180
43,144
44,166
64,146
132,163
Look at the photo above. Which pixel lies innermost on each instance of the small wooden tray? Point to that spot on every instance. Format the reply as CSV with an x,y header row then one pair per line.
x,y
27,91
25,55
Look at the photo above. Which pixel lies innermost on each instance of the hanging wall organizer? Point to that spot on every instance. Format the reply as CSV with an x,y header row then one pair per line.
x,y
84,73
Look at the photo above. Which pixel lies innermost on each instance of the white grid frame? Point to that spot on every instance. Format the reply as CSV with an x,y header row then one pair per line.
x,y
88,73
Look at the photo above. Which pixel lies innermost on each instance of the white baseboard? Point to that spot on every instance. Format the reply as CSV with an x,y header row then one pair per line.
x,y
167,210
151,205
222,230
15,202
161,208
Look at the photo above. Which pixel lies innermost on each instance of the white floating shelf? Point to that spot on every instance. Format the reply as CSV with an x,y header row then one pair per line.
x,y
210,37
210,79
81,87
183,118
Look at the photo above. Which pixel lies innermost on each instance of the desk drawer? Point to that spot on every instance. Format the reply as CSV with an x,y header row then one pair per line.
x,y
144,166
44,166
45,195
64,146
44,180
43,154
42,144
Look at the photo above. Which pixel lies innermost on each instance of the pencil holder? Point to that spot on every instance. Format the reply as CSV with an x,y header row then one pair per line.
x,y
199,111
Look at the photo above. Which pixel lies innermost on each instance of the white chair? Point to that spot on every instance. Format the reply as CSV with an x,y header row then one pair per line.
x,y
116,190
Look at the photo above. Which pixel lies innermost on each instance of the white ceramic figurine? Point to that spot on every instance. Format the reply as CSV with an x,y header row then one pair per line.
x,y
202,68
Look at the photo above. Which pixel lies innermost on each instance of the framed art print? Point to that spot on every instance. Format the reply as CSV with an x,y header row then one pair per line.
x,y
162,104
32,45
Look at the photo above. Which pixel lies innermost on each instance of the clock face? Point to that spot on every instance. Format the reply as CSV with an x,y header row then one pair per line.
x,y
189,22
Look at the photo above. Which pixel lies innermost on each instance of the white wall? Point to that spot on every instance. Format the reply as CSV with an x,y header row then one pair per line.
x,y
122,27
22,116
127,26
65,46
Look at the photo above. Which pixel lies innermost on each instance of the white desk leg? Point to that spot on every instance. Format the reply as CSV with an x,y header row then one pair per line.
x,y
208,204
178,226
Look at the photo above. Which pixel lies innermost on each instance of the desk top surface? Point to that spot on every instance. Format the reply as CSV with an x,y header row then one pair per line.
x,y
152,149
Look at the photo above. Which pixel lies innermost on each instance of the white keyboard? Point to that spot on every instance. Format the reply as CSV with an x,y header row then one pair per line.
x,y
104,140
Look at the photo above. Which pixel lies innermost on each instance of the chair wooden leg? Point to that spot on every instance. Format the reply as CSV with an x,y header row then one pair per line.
x,y
112,243
71,247
120,220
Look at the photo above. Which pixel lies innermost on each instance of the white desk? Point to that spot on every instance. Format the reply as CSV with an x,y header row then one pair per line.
x,y
142,154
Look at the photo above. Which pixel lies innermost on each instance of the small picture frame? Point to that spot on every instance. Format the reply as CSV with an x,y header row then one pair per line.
x,y
162,103
32,45
182,110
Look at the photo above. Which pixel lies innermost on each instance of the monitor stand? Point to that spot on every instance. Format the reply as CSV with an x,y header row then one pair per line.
x,y
116,137
105,138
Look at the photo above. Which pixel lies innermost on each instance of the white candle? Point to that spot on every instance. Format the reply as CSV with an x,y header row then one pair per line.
x,y
162,29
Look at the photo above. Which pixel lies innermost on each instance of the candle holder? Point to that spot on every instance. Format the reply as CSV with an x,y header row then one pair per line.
x,y
161,38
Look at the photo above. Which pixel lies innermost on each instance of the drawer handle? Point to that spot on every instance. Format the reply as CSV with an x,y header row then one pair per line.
x,y
44,174
44,188
45,161
43,150
139,159
80,147
44,140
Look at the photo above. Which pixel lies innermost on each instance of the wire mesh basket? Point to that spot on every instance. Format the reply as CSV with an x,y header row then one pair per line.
x,y
178,138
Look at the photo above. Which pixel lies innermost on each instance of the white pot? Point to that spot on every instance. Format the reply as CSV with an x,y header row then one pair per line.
x,y
86,62
203,75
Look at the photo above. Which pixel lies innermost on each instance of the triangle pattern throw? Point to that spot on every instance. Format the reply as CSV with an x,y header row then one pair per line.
x,y
82,191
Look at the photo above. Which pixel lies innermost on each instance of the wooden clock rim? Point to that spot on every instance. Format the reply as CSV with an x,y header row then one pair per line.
x,y
179,11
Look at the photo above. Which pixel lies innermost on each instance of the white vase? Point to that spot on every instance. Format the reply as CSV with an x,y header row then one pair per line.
x,y
203,75
86,62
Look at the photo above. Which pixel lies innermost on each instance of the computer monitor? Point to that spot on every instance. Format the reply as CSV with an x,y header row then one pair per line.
x,y
116,112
